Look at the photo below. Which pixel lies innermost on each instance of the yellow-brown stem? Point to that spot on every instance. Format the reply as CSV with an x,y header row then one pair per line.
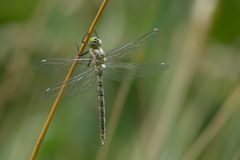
x,y
69,75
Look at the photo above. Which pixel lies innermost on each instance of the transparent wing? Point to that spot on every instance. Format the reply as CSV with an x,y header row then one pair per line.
x,y
131,46
62,64
76,85
118,70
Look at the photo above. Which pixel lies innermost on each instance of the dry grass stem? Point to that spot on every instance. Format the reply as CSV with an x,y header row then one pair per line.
x,y
61,92
224,114
199,26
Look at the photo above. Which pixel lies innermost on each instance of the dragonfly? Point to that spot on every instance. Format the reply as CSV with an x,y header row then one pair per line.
x,y
91,70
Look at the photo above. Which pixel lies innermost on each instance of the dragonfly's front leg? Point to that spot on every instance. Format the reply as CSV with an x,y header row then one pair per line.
x,y
90,60
78,51
84,53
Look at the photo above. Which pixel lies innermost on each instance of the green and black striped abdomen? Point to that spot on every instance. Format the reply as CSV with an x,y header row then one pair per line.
x,y
101,110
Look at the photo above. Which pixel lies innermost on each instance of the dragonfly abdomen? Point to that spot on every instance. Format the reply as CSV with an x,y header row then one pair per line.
x,y
101,110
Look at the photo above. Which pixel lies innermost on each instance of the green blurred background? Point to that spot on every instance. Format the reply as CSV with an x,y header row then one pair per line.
x,y
190,111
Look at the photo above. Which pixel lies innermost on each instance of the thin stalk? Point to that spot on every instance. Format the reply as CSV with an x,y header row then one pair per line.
x,y
69,75
228,108
198,28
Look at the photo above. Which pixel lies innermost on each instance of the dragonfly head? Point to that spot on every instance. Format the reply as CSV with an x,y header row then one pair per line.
x,y
95,42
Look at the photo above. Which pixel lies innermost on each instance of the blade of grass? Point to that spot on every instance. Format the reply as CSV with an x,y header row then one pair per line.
x,y
224,114
199,26
61,92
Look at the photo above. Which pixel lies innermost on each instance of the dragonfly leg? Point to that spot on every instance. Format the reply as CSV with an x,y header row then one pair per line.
x,y
89,62
86,36
84,39
84,53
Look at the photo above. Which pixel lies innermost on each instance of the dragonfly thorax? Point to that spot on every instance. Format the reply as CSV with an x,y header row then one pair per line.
x,y
98,56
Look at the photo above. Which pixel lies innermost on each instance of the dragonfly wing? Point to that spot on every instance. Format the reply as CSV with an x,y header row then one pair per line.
x,y
119,70
59,65
132,46
76,85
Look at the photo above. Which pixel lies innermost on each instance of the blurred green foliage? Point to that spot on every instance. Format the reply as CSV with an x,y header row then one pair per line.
x,y
16,11
188,112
